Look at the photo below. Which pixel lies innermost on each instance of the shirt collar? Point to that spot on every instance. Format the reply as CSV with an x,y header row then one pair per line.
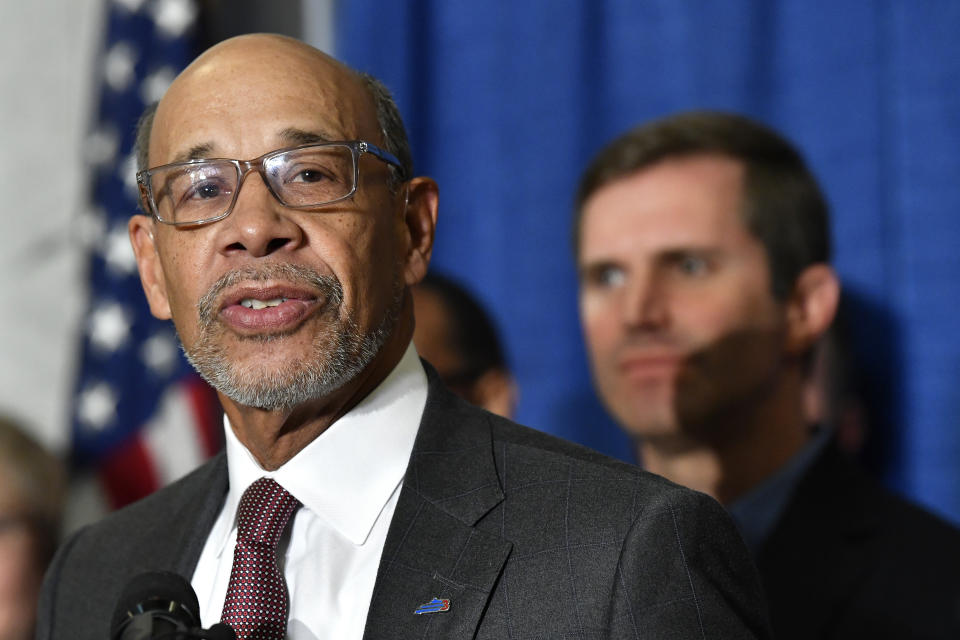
x,y
348,473
757,512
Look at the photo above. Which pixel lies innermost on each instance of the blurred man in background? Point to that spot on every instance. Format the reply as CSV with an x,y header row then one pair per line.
x,y
456,335
703,254
32,484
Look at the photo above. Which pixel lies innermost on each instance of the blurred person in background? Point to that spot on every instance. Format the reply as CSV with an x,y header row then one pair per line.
x,y
457,336
702,246
32,483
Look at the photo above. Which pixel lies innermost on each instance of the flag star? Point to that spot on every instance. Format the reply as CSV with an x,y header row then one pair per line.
x,y
91,225
155,85
118,66
159,352
117,251
127,172
173,17
97,406
102,145
132,6
109,327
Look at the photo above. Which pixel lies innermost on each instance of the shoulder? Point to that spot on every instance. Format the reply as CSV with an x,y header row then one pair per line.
x,y
846,547
565,487
859,505
536,467
166,509
912,542
660,553
537,454
164,531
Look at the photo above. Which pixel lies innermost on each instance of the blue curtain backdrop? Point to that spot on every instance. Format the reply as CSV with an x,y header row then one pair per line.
x,y
506,101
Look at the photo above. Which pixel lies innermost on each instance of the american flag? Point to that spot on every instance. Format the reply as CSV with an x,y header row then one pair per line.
x,y
141,416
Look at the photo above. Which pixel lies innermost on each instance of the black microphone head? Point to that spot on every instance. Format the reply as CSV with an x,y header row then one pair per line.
x,y
221,631
164,592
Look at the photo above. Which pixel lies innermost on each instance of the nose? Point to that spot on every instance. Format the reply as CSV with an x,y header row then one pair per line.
x,y
646,303
259,225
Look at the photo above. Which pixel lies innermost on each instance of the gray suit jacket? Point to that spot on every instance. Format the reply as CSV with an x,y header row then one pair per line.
x,y
528,536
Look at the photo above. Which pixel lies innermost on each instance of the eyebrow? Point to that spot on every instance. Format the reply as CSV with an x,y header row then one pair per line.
x,y
290,135
195,152
679,253
588,269
661,255
299,136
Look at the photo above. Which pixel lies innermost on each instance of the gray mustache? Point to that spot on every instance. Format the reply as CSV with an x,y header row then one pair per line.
x,y
329,286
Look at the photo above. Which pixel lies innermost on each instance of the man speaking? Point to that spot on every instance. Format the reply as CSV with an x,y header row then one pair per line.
x,y
357,497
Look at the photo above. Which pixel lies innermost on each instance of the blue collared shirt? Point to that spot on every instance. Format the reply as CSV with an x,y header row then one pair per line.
x,y
757,512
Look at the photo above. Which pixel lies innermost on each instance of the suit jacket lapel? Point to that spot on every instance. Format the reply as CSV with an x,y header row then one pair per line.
x,y
805,561
200,508
433,550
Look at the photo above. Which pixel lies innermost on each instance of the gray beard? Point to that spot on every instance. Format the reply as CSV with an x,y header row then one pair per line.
x,y
335,358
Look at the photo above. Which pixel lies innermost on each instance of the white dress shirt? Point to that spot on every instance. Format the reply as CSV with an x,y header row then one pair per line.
x,y
348,480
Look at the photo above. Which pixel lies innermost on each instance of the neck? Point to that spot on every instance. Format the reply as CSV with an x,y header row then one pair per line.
x,y
275,436
753,444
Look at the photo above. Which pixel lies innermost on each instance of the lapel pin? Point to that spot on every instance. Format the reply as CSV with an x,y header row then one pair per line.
x,y
434,606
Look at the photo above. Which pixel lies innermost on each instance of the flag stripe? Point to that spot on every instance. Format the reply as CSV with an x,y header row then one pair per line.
x,y
206,410
142,417
128,473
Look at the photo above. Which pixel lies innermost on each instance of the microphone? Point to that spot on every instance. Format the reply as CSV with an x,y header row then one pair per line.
x,y
219,631
162,605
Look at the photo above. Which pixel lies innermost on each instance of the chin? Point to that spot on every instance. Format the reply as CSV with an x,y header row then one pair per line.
x,y
649,427
280,390
645,417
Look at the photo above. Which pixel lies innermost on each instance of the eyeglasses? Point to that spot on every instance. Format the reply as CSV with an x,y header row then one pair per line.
x,y
203,191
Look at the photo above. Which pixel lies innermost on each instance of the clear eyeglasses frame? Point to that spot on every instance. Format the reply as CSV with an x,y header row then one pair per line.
x,y
197,192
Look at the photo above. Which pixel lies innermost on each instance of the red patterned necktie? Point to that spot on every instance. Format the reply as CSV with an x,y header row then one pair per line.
x,y
256,604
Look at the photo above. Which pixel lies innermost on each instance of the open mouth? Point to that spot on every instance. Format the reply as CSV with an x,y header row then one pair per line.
x,y
254,309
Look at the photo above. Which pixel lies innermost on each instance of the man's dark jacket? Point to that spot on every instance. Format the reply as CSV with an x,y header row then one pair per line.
x,y
528,536
849,560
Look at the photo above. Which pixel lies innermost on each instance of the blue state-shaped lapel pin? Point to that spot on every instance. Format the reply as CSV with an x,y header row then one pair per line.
x,y
434,606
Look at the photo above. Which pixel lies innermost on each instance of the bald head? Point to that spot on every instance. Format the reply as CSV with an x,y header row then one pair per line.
x,y
253,66
265,77
261,47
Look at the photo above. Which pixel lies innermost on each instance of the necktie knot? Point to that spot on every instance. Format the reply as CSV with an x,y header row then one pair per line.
x,y
265,508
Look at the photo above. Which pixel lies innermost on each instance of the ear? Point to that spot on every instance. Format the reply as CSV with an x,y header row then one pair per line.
x,y
141,230
811,307
420,223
